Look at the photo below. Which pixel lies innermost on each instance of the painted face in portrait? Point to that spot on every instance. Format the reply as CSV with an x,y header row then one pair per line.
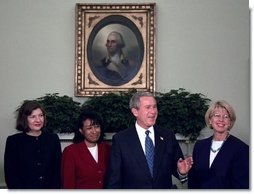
x,y
112,45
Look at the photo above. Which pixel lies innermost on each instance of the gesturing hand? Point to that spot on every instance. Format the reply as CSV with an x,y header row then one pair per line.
x,y
185,165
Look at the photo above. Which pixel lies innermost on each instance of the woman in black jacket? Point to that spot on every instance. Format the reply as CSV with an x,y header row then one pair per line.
x,y
221,161
32,158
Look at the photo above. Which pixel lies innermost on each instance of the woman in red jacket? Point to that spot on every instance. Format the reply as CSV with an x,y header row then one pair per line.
x,y
84,162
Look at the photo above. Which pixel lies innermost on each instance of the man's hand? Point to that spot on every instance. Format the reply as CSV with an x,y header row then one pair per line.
x,y
185,165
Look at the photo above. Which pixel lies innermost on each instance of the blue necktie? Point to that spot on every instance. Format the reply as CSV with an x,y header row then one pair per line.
x,y
149,149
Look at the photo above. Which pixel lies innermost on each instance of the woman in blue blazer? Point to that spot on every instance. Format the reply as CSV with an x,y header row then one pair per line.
x,y
222,160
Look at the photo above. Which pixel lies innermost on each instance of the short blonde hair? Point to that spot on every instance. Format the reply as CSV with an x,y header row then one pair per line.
x,y
220,104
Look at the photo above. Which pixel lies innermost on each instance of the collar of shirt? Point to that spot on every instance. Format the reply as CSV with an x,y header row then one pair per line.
x,y
142,135
94,152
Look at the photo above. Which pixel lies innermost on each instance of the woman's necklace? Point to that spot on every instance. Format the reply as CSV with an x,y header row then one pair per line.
x,y
218,149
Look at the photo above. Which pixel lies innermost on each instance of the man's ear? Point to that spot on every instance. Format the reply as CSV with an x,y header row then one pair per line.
x,y
134,112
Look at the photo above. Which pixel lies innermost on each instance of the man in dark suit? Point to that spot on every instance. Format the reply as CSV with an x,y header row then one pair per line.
x,y
129,168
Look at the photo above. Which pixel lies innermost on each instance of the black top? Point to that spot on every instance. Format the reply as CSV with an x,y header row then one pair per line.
x,y
32,162
111,77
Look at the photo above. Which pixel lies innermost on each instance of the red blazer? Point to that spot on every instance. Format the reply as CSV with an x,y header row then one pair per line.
x,y
80,170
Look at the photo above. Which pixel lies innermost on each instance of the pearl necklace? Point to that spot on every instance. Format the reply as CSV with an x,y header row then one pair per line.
x,y
218,149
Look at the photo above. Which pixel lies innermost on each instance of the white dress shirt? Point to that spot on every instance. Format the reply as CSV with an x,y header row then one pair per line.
x,y
142,136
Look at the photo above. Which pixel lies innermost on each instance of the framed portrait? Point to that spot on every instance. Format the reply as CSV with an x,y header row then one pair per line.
x,y
115,48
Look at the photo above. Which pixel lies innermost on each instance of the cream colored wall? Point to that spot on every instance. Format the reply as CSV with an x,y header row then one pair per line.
x,y
202,45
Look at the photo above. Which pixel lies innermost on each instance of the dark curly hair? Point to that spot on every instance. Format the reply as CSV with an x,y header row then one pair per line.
x,y
95,118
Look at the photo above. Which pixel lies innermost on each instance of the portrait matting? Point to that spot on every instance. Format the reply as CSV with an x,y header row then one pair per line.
x,y
102,68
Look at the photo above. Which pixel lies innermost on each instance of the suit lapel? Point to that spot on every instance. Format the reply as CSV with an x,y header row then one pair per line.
x,y
204,150
159,149
138,152
219,158
86,155
101,155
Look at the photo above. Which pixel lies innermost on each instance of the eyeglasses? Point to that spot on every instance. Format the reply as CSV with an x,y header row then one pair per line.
x,y
224,117
90,127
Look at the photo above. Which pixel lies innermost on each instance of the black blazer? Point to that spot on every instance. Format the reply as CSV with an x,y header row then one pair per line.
x,y
32,162
229,170
128,167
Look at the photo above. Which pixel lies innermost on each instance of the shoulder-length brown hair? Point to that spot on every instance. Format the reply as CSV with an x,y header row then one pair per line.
x,y
24,111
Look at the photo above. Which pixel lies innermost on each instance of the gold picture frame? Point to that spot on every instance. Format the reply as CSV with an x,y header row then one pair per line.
x,y
133,25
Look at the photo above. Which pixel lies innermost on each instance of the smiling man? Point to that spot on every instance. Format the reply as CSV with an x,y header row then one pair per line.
x,y
145,156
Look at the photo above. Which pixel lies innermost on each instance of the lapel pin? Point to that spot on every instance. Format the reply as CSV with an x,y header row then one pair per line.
x,y
161,138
